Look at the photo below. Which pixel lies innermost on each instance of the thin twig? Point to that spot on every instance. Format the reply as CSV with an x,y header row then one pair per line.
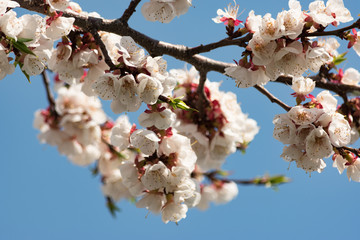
x,y
164,99
266,180
102,46
49,94
334,87
338,32
222,43
272,98
353,150
129,11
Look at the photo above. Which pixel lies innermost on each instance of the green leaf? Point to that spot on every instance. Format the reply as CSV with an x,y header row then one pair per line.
x,y
21,65
339,58
113,209
94,171
26,75
178,103
24,40
22,47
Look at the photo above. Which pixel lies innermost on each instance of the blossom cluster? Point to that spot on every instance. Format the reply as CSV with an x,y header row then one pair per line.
x,y
161,166
173,161
75,128
158,166
279,47
217,131
313,131
276,48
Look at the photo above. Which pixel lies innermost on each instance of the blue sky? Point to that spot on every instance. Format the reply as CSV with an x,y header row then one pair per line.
x,y
44,196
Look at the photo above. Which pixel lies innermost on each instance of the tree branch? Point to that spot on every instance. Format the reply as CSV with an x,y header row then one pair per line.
x,y
129,11
183,53
202,101
338,32
272,98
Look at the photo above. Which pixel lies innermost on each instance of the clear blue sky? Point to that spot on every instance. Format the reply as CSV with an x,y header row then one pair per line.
x,y
44,196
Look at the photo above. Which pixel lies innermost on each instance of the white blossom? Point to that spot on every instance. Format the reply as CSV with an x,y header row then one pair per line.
x,y
303,86
230,13
333,12
106,86
164,11
130,178
292,20
292,153
288,61
145,140
263,49
58,5
10,25
132,55
60,27
174,212
149,88
339,131
4,4
310,164
351,77
114,188
156,176
304,116
270,29
245,78
227,192
318,144
316,57
5,67
327,100
182,147
339,163
126,98
253,22
353,171
152,201
301,134
120,133
161,120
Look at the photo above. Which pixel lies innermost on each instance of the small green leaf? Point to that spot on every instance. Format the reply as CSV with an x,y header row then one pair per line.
x,y
339,58
178,103
22,47
24,40
279,179
21,65
112,207
94,171
26,75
